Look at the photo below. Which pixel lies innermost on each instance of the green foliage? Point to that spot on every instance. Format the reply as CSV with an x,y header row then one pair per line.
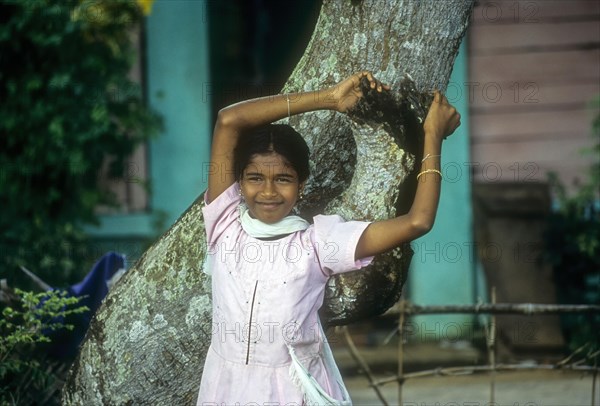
x,y
22,330
573,248
68,104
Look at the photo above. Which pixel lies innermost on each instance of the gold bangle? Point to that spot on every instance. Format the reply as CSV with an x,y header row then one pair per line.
x,y
430,171
287,97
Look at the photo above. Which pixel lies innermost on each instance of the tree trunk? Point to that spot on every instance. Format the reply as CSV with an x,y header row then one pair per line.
x,y
148,341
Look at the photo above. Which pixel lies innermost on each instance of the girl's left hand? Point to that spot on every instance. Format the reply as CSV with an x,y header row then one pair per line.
x,y
442,118
348,92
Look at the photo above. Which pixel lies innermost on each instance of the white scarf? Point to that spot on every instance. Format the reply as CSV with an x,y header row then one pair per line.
x,y
314,394
257,229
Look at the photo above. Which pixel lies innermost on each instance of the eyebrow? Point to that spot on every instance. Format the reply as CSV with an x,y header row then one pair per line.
x,y
277,175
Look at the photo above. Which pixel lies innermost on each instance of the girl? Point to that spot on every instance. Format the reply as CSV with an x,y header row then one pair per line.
x,y
269,268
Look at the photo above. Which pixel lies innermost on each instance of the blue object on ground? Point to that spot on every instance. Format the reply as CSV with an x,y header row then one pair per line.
x,y
92,290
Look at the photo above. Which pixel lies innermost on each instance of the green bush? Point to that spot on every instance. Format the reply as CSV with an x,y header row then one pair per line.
x,y
573,248
25,376
68,104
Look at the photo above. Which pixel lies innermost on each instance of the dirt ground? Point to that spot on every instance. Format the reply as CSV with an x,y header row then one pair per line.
x,y
512,388
532,388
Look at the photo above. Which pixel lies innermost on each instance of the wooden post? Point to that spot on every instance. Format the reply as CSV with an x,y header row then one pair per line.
x,y
401,350
492,349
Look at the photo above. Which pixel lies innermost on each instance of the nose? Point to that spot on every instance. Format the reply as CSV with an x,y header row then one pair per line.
x,y
269,189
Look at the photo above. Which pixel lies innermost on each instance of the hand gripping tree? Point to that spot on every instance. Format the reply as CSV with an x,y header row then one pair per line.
x,y
148,341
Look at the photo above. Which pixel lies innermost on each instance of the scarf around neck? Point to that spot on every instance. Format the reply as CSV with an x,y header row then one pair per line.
x,y
257,229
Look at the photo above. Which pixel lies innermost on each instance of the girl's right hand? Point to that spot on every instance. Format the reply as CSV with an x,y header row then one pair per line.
x,y
349,91
442,118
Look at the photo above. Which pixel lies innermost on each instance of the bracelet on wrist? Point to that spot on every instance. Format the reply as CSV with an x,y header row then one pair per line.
x,y
429,156
430,171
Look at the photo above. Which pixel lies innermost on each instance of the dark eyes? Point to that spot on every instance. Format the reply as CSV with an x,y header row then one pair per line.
x,y
259,179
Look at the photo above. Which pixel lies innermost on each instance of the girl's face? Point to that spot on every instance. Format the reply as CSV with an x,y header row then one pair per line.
x,y
270,187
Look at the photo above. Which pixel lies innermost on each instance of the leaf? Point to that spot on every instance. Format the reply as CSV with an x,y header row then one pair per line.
x,y
59,81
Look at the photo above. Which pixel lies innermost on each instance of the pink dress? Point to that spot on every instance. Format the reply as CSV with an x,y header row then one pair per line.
x,y
266,295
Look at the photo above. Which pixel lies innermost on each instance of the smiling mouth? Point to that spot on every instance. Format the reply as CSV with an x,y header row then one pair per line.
x,y
268,205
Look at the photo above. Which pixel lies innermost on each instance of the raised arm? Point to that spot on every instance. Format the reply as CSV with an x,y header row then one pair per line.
x,y
234,120
442,119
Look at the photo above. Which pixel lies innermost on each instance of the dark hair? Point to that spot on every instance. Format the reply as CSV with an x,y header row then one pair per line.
x,y
279,138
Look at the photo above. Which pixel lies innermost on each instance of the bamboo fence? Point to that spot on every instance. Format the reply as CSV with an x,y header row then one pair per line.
x,y
406,308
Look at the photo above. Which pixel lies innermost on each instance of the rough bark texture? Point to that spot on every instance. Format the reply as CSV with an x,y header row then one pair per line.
x,y
148,341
